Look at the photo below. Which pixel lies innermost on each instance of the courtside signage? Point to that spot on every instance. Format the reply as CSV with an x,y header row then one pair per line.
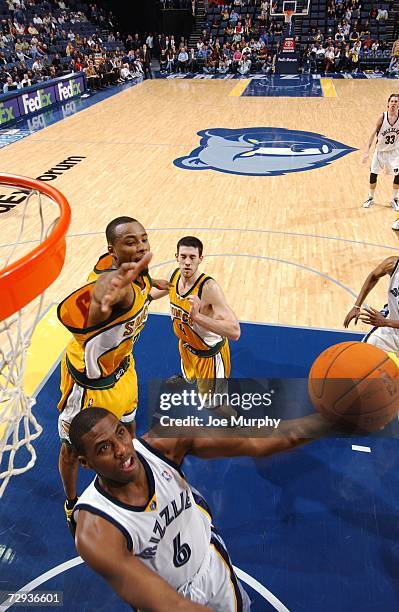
x,y
70,88
42,97
36,100
9,110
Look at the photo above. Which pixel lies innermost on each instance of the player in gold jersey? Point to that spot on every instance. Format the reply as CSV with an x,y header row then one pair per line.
x,y
105,317
202,320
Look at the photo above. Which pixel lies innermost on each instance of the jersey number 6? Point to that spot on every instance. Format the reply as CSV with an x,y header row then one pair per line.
x,y
181,552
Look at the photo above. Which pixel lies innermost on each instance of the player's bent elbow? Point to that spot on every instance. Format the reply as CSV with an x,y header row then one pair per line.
x,y
236,333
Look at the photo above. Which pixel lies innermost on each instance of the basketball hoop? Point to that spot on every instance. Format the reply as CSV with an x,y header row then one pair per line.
x,y
288,15
35,210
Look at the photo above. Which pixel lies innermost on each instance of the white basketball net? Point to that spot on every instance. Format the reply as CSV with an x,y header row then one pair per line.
x,y
18,426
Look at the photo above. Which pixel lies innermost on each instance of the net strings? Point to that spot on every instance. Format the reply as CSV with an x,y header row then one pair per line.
x,y
18,425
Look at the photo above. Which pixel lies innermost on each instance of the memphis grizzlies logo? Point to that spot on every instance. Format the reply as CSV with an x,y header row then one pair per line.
x,y
262,151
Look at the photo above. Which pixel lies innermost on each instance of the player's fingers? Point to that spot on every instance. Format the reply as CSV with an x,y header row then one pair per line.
x,y
105,304
144,261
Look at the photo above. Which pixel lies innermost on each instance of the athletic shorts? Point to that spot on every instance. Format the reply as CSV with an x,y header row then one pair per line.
x,y
388,160
204,369
216,585
121,399
384,338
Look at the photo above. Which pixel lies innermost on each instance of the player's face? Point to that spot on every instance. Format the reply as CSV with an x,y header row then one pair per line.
x,y
110,452
393,104
188,259
131,243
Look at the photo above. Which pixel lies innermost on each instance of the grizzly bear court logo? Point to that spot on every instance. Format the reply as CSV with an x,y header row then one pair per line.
x,y
262,151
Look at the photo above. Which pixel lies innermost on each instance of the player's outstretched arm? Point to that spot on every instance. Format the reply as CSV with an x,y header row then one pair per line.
x,y
223,322
113,289
103,547
288,435
385,267
372,138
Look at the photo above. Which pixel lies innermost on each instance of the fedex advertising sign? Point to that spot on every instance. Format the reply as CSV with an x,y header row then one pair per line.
x,y
9,111
42,97
33,101
70,88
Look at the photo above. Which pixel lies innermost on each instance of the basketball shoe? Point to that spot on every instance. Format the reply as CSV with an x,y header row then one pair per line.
x,y
369,202
395,204
395,224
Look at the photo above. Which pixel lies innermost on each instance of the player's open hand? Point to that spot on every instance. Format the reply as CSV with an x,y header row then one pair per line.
x,y
126,274
365,157
354,313
195,306
373,317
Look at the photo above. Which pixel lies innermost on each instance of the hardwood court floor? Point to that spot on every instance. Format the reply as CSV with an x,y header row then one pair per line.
x,y
289,248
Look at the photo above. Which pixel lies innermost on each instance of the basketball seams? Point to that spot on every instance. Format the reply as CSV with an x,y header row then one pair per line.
x,y
353,398
341,352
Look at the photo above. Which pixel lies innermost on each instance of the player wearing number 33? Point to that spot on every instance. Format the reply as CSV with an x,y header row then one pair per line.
x,y
386,154
202,319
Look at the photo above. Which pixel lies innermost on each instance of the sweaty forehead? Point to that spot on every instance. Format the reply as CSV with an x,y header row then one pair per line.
x,y
129,229
102,429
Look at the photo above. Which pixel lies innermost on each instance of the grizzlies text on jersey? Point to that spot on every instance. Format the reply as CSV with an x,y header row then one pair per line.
x,y
172,534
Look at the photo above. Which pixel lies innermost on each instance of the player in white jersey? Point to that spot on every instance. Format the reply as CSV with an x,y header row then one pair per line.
x,y
386,153
141,525
385,332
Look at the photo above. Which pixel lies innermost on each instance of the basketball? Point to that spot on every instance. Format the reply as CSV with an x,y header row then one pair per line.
x,y
355,383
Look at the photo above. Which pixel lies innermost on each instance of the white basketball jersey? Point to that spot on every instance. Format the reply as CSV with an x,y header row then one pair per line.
x,y
171,534
388,136
393,296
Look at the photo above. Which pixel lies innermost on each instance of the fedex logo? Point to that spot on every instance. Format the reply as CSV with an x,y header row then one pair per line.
x,y
68,91
6,113
35,102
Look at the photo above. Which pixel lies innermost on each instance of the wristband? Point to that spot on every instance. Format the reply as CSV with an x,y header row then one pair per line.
x,y
356,306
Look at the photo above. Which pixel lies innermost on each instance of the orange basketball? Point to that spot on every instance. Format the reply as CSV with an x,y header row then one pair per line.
x,y
355,383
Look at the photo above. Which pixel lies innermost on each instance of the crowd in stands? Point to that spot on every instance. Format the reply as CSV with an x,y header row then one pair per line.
x,y
41,40
245,36
44,39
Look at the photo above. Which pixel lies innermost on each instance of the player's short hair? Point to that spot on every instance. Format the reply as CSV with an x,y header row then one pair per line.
x,y
82,423
393,95
190,241
111,229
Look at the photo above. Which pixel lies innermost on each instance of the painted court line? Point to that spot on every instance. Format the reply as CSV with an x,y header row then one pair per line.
x,y
239,89
328,88
42,353
361,449
274,260
226,229
67,565
259,588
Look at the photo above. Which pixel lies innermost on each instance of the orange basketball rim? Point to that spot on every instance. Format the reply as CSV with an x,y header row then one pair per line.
x,y
26,278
